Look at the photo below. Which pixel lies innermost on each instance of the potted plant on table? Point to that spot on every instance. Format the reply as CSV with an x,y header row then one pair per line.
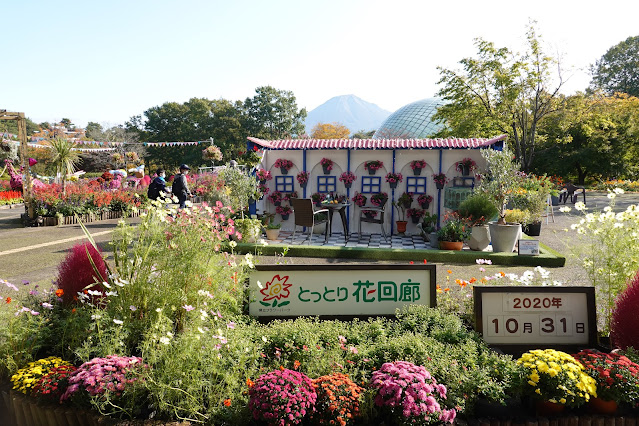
x,y
302,178
373,165
327,165
456,229
417,166
500,182
284,165
393,179
440,180
478,210
415,214
424,201
273,231
348,178
466,166
555,380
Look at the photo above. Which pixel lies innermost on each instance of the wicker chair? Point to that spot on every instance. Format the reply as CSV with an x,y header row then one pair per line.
x,y
305,216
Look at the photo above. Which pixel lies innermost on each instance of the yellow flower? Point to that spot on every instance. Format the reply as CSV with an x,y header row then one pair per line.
x,y
562,401
534,377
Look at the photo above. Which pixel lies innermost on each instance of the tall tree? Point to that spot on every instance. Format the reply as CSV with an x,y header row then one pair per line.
x,y
273,114
592,137
330,131
618,69
94,131
66,122
501,92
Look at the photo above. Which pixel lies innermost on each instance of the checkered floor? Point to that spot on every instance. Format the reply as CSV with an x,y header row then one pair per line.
x,y
354,240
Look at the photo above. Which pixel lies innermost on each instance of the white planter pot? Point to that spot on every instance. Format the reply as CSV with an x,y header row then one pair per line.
x,y
272,234
319,229
479,238
504,237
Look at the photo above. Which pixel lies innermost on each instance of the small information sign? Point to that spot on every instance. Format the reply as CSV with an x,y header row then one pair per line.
x,y
339,290
528,247
536,316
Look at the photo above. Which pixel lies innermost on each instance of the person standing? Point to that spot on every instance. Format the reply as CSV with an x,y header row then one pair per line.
x,y
180,187
158,185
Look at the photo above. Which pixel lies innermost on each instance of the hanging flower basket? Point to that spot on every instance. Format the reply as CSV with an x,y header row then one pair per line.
x,y
373,166
285,211
424,201
283,165
359,199
327,165
302,178
417,166
440,180
348,178
393,179
465,166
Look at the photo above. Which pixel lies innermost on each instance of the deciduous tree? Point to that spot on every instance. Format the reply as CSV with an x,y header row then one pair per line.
x,y
330,131
501,92
618,69
273,114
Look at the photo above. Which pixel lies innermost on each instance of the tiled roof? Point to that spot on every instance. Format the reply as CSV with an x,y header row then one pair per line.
x,y
377,143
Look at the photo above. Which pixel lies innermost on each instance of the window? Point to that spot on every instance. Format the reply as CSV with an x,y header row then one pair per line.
x,y
371,184
284,184
416,185
326,184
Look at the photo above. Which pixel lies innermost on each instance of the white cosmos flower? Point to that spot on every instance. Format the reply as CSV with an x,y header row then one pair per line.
x,y
564,209
165,340
96,317
233,244
118,322
94,293
618,191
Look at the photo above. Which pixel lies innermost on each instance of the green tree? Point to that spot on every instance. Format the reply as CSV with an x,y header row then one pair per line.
x,y
594,136
500,92
94,131
618,69
363,134
65,158
66,122
273,114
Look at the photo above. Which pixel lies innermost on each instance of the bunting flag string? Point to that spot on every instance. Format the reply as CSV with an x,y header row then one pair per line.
x,y
115,144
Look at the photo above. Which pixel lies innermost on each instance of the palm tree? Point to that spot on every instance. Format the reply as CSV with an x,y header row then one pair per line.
x,y
65,158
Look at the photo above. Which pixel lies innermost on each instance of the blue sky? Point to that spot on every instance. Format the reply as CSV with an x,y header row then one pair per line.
x,y
105,61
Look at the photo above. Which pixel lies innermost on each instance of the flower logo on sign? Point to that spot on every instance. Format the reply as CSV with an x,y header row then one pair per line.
x,y
276,290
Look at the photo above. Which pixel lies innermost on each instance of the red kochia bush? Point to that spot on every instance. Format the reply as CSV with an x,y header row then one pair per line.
x,y
624,326
76,272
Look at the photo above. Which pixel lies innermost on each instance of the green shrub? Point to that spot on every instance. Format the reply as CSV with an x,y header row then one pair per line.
x,y
478,208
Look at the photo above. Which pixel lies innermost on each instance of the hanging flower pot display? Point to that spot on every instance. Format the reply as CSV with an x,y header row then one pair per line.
x,y
417,166
359,199
373,166
393,179
424,201
284,165
285,211
275,198
263,175
302,178
327,165
348,178
465,166
440,180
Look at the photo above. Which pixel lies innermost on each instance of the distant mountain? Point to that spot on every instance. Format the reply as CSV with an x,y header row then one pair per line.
x,y
349,110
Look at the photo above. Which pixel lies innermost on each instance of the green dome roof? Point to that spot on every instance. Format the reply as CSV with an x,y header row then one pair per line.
x,y
412,121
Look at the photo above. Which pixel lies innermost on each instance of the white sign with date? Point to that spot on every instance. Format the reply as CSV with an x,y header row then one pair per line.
x,y
539,315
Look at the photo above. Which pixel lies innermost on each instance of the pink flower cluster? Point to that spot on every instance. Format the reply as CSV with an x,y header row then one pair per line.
x,y
282,397
263,175
113,373
411,388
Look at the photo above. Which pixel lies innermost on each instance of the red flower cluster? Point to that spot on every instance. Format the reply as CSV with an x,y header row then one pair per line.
x,y
54,384
617,377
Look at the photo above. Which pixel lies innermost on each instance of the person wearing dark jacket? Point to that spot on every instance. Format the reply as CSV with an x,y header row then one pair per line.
x,y
157,185
180,186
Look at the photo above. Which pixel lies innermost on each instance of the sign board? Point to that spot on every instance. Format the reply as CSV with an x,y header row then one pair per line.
x,y
536,316
528,247
339,290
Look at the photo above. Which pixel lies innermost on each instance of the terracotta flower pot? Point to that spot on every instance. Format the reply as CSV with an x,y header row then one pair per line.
x,y
401,226
547,408
602,406
451,245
